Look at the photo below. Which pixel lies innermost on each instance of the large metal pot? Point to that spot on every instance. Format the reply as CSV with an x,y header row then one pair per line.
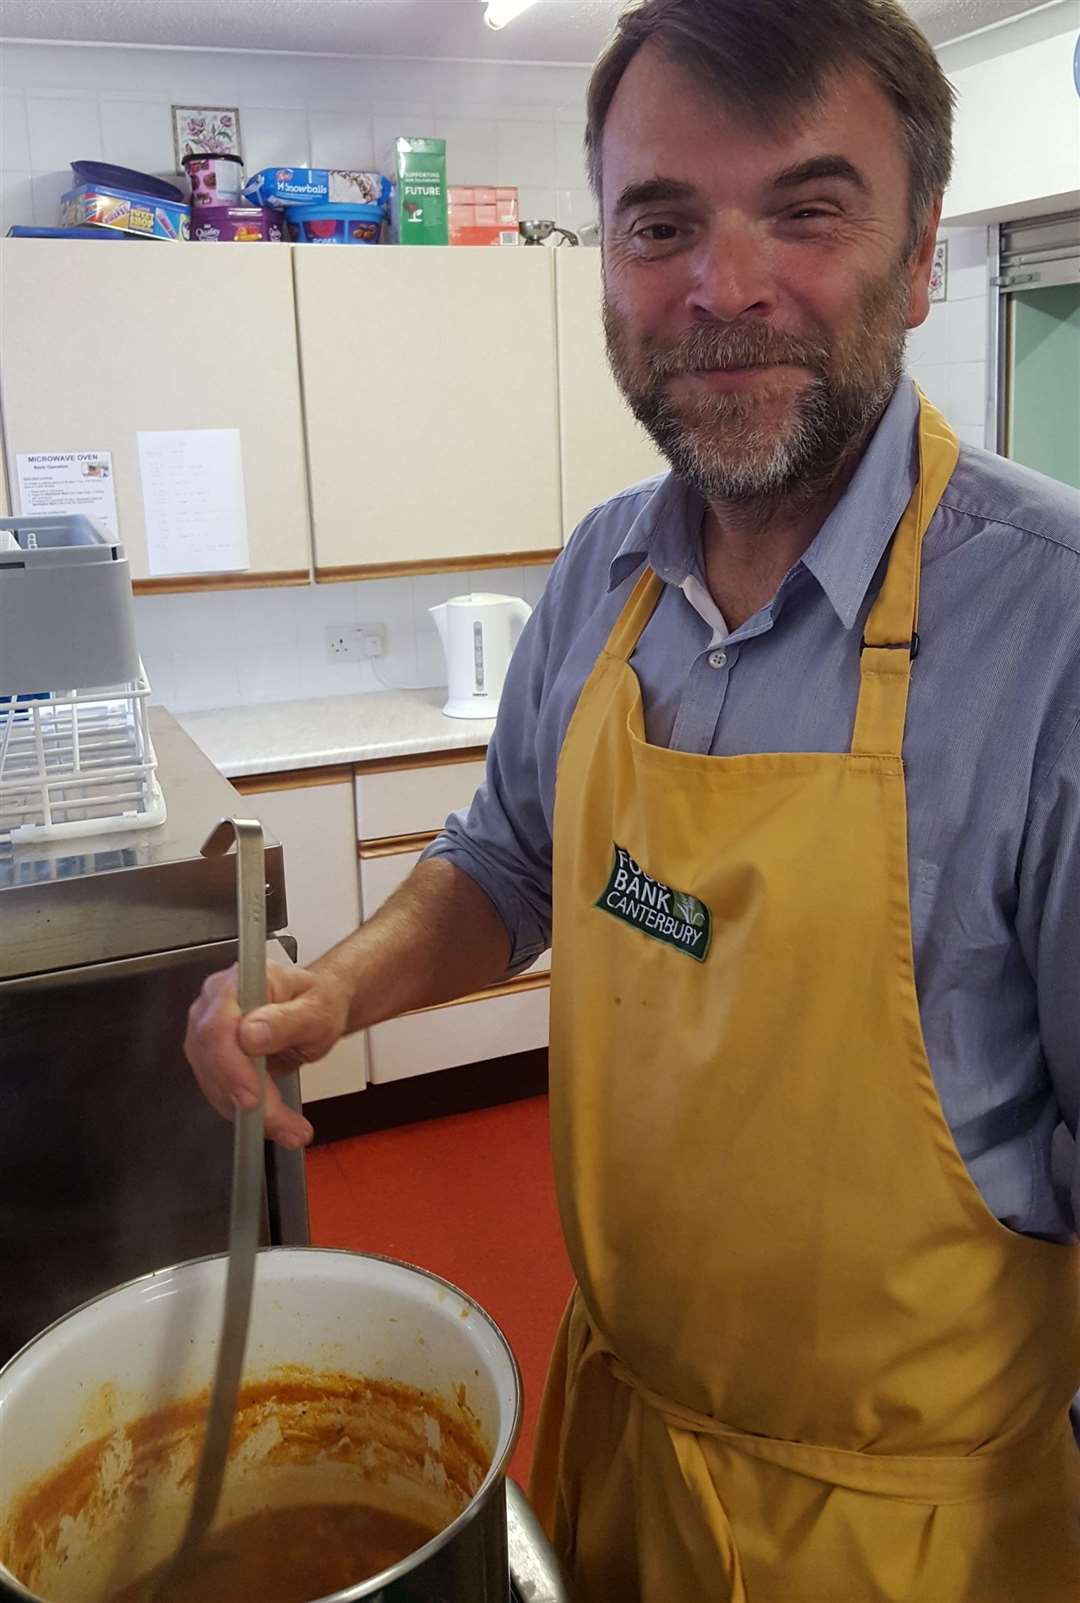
x,y
112,1391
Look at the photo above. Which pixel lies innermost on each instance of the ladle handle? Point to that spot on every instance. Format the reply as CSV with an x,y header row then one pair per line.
x,y
248,1179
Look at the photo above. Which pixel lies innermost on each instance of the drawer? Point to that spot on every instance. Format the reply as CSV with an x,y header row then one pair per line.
x,y
380,878
447,1037
413,801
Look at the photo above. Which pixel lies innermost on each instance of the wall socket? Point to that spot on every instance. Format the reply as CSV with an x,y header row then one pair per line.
x,y
355,642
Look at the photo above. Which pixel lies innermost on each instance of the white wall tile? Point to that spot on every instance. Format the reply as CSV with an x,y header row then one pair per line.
x,y
16,199
971,435
14,138
137,133
570,170
929,342
526,153
575,208
410,121
47,189
274,137
967,330
63,130
472,150
967,394
933,379
342,139
967,274
537,204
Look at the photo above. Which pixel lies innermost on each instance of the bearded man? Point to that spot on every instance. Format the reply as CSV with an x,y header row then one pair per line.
x,y
788,771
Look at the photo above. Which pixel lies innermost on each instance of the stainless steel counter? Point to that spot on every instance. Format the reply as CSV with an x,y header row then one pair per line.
x,y
75,902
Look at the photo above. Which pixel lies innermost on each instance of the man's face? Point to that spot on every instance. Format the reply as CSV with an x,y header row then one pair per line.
x,y
758,279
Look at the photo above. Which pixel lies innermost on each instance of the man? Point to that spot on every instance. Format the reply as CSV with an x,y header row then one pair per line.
x,y
812,703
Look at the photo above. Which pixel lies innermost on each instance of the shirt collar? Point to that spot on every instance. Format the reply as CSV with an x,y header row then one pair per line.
x,y
847,549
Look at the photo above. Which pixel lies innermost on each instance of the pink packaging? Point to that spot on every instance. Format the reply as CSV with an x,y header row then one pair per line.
x,y
235,225
215,180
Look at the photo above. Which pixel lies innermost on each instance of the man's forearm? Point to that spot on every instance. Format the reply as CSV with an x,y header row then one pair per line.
x,y
437,938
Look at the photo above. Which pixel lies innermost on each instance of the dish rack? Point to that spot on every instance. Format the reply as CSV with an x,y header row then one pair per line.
x,y
76,756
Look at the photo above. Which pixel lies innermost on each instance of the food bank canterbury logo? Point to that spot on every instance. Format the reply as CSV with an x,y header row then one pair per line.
x,y
656,909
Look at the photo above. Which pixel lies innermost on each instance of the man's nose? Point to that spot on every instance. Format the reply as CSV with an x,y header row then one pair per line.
x,y
732,276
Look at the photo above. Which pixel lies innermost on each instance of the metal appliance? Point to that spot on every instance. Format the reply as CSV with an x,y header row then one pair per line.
x,y
111,1163
478,637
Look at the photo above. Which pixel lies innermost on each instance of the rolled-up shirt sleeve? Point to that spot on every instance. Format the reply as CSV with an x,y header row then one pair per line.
x,y
503,840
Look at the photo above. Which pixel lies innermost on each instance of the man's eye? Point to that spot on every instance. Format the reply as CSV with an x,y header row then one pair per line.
x,y
808,214
658,233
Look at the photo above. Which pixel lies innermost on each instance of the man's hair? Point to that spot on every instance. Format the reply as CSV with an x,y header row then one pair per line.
x,y
770,58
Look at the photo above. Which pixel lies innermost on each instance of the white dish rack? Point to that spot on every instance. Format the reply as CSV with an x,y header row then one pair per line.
x,y
76,757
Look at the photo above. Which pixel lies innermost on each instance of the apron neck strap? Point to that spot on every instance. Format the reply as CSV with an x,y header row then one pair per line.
x,y
635,615
891,640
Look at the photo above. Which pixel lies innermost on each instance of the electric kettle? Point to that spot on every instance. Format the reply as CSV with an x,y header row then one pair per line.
x,y
478,635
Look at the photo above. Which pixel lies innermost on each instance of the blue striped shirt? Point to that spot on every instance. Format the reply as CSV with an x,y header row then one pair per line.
x,y
992,751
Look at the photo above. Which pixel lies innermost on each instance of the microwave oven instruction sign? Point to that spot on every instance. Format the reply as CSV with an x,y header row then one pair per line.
x,y
52,482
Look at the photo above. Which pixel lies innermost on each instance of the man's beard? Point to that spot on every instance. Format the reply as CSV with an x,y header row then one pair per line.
x,y
729,447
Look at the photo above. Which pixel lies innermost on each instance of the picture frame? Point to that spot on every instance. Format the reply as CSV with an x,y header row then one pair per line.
x,y
206,131
939,272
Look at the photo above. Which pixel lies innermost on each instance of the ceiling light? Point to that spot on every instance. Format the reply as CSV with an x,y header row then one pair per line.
x,y
500,12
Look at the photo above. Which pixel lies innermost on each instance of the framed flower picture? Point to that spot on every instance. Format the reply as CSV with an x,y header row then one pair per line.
x,y
205,131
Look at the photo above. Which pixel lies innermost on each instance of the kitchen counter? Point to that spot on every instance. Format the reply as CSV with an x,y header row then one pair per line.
x,y
282,735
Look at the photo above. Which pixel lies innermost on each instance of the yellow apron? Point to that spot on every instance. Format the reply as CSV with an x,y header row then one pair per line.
x,y
804,1363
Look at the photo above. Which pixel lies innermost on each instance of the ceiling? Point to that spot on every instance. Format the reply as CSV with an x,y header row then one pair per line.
x,y
554,30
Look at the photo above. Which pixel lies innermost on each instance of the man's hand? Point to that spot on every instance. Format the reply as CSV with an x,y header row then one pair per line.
x,y
304,1016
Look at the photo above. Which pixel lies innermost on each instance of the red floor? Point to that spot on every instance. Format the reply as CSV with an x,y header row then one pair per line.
x,y
470,1197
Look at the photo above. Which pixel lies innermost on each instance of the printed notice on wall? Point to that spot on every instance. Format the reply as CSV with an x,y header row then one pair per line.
x,y
53,482
193,501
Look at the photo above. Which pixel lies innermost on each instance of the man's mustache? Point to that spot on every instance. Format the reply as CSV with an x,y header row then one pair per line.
x,y
741,345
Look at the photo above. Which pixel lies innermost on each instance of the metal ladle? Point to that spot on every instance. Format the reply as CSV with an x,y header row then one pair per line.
x,y
248,1178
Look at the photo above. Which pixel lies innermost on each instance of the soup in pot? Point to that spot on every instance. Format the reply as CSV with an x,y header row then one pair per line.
x,y
333,1478
288,1555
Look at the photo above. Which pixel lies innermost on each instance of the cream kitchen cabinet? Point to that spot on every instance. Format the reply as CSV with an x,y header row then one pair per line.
x,y
431,409
313,818
400,808
101,344
603,448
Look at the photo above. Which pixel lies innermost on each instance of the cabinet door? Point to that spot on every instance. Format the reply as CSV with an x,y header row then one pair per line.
x,y
604,448
413,801
448,1037
317,827
430,406
100,344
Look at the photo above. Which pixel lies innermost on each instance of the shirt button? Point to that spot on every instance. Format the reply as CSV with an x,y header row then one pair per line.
x,y
717,659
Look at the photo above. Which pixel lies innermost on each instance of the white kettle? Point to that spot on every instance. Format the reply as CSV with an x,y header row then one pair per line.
x,y
478,635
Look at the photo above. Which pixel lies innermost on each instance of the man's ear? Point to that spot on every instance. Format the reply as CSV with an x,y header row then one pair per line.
x,y
919,268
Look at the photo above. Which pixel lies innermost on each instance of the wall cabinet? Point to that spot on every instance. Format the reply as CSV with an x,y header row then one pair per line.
x,y
315,824
603,447
430,398
455,406
99,344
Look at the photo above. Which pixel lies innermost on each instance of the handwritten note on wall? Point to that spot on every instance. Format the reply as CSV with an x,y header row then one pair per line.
x,y
193,501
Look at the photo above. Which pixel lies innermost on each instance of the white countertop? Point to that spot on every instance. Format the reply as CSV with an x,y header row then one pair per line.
x,y
281,735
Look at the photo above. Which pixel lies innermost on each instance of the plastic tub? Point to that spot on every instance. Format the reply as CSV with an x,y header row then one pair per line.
x,y
335,225
235,224
215,180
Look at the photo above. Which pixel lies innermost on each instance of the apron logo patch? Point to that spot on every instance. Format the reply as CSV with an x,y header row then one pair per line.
x,y
656,909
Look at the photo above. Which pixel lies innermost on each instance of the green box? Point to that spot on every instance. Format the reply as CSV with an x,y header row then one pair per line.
x,y
421,214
